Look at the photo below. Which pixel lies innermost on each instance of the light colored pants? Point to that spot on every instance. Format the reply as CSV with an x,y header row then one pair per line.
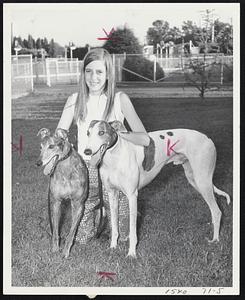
x,y
90,221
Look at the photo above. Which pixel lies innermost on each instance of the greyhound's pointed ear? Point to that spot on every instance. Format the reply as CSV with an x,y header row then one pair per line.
x,y
118,126
92,123
61,133
43,132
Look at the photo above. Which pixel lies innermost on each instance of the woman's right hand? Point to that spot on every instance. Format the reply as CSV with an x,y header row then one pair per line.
x,y
68,112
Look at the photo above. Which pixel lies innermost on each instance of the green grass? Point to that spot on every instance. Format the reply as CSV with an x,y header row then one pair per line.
x,y
175,220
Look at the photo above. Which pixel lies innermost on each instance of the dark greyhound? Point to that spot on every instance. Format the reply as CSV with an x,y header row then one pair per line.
x,y
68,180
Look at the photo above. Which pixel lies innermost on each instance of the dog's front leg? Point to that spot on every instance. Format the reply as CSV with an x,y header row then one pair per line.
x,y
56,218
133,223
77,214
113,200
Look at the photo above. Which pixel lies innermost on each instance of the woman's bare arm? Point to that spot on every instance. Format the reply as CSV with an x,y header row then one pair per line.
x,y
68,113
139,134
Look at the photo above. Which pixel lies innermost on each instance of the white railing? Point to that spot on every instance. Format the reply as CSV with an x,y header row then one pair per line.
x,y
21,75
25,72
60,71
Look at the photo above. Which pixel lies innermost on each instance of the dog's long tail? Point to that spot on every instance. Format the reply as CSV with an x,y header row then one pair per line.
x,y
49,208
219,192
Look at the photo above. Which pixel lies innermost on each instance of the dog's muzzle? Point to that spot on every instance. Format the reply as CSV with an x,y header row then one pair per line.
x,y
50,165
97,156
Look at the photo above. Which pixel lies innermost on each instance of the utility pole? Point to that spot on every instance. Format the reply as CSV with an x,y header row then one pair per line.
x,y
208,20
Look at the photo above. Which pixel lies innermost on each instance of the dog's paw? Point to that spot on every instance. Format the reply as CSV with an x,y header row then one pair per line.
x,y
65,253
131,254
213,241
113,245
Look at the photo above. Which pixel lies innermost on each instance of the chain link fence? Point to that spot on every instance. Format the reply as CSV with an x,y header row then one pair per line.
x,y
173,68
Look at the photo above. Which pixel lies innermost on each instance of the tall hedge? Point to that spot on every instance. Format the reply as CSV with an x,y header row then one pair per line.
x,y
123,40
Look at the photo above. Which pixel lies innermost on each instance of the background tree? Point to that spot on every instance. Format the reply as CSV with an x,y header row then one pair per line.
x,y
42,43
19,41
25,43
80,52
161,32
31,42
157,33
52,49
38,43
173,34
123,40
58,50
190,31
202,36
205,33
45,45
223,36
30,46
201,74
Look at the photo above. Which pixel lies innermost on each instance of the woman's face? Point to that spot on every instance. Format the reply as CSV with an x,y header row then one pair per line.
x,y
95,76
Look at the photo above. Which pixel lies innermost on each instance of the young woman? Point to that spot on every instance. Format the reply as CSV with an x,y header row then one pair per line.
x,y
97,100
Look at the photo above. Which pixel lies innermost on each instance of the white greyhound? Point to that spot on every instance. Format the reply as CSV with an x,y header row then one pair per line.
x,y
127,167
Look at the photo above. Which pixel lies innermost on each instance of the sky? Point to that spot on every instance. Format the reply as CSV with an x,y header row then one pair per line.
x,y
84,23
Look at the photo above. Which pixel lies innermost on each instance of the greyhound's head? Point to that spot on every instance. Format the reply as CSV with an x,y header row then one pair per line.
x,y
53,148
101,136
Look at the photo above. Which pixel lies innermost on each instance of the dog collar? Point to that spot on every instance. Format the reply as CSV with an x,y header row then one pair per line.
x,y
114,143
67,154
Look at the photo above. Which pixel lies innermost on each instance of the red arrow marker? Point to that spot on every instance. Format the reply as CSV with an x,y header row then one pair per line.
x,y
106,275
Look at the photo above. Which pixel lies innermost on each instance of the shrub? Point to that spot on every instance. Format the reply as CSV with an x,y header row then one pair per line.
x,y
142,66
228,73
202,74
123,40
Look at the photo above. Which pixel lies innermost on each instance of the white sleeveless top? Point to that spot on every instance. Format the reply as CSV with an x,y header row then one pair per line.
x,y
95,108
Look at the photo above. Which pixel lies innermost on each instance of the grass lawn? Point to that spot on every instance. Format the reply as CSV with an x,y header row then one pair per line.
x,y
172,249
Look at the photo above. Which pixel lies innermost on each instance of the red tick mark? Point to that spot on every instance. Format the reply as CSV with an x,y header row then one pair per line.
x,y
106,275
170,148
108,36
19,147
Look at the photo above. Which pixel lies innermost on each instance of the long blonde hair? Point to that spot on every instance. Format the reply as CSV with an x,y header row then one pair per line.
x,y
109,89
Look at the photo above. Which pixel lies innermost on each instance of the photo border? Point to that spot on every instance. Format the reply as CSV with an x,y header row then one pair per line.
x,y
7,206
